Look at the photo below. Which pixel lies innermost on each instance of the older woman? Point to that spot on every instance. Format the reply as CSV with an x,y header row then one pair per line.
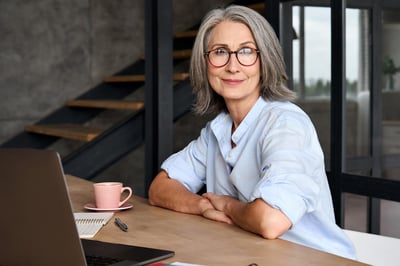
x,y
260,157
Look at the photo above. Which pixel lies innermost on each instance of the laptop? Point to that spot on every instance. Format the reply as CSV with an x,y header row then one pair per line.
x,y
35,230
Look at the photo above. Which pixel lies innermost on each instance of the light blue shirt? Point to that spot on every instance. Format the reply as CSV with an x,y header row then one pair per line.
x,y
278,158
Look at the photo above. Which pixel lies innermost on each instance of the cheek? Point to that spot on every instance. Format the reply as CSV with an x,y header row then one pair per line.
x,y
212,72
257,69
256,74
212,77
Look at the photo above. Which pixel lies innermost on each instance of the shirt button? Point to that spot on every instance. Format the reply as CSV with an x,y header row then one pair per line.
x,y
230,154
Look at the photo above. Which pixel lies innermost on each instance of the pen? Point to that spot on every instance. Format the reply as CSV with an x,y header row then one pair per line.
x,y
121,225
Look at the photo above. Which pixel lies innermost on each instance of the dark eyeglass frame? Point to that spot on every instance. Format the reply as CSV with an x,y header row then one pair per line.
x,y
207,54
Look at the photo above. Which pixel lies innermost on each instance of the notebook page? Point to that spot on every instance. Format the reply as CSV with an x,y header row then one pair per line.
x,y
89,223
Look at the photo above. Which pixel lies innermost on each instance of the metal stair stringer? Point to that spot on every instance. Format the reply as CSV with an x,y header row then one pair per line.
x,y
112,145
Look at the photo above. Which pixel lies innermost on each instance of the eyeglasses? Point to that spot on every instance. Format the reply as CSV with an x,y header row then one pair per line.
x,y
219,57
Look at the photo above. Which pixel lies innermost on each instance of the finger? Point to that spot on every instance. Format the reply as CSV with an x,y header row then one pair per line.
x,y
217,216
209,195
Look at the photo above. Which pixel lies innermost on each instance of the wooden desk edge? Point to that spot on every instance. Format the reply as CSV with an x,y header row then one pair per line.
x,y
172,230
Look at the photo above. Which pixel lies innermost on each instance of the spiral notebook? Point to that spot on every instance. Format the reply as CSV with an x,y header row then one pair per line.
x,y
89,223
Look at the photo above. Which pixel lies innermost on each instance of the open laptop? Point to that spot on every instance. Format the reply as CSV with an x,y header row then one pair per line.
x,y
37,225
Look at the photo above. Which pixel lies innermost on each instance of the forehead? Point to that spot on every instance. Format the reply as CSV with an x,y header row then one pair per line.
x,y
230,33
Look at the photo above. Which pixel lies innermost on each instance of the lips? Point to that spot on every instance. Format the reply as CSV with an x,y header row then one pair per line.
x,y
232,81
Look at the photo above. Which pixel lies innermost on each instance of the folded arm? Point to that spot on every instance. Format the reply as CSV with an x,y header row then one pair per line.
x,y
257,216
171,194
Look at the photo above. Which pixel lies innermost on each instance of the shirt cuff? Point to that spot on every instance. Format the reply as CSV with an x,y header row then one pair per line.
x,y
283,198
179,170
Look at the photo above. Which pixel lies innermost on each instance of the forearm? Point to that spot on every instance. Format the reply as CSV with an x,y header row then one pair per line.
x,y
169,193
258,217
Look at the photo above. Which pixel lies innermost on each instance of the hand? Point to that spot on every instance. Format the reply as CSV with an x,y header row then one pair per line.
x,y
210,212
256,216
218,201
216,215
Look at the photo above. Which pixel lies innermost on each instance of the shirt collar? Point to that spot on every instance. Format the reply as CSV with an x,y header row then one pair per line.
x,y
249,120
222,124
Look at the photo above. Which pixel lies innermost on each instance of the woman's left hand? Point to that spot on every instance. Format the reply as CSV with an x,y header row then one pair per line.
x,y
218,201
256,216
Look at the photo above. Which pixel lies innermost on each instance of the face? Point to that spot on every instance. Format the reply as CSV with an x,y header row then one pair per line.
x,y
234,82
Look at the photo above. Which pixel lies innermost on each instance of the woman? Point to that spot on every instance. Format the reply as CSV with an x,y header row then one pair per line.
x,y
260,158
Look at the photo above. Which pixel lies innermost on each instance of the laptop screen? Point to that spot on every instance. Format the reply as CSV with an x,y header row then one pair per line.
x,y
37,225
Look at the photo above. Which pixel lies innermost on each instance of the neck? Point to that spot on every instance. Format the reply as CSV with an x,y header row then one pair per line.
x,y
238,111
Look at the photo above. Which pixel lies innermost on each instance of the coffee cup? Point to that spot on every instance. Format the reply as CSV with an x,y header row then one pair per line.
x,y
108,194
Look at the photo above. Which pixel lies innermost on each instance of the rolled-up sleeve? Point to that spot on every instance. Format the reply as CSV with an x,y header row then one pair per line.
x,y
292,167
188,166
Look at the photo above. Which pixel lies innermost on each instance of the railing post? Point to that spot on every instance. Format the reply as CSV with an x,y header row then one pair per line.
x,y
338,99
272,14
159,85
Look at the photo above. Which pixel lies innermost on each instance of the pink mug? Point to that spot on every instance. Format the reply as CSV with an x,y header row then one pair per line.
x,y
108,194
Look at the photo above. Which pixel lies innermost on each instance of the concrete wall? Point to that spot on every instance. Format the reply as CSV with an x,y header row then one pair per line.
x,y
54,50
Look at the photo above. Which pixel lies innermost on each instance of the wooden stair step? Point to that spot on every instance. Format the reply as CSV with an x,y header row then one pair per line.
x,y
141,78
182,54
259,7
186,34
69,131
126,78
179,54
107,104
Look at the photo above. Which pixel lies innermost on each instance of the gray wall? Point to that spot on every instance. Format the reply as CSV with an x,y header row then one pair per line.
x,y
54,50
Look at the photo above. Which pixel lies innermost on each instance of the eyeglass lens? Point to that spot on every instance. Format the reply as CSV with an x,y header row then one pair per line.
x,y
219,57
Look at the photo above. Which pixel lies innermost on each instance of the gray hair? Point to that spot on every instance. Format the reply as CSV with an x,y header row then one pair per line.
x,y
273,73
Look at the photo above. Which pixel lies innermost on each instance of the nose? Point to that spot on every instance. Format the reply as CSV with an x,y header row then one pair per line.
x,y
233,63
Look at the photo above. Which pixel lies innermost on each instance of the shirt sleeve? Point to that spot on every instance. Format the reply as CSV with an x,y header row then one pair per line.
x,y
188,166
292,166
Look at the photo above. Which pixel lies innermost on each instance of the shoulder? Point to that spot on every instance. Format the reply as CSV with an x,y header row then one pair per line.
x,y
286,112
288,124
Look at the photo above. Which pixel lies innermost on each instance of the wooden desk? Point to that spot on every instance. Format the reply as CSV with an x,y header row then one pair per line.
x,y
196,239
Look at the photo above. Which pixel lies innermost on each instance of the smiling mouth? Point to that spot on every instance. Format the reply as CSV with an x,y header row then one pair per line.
x,y
232,81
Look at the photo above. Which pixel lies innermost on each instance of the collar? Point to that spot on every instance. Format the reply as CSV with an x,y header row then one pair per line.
x,y
222,124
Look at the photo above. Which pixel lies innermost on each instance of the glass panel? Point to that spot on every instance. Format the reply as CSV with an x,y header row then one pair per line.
x,y
312,73
311,70
391,90
355,212
358,83
312,67
390,217
356,215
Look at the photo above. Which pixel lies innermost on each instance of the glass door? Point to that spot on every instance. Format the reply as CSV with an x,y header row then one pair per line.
x,y
370,173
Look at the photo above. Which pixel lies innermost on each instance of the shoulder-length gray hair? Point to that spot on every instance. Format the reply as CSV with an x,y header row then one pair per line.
x,y
273,73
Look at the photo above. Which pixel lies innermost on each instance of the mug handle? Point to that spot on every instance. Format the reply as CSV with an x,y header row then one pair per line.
x,y
127,197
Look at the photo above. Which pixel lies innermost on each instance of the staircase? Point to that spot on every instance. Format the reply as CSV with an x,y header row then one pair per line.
x,y
106,145
122,92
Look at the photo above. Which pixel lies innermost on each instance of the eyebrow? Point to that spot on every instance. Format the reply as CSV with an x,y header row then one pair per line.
x,y
226,46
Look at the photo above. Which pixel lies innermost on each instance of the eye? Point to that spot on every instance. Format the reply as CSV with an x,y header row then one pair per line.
x,y
220,51
246,51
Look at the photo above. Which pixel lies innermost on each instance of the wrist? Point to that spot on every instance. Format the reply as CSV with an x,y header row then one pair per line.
x,y
204,204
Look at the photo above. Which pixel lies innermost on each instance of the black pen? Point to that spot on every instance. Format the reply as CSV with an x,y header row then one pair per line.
x,y
121,225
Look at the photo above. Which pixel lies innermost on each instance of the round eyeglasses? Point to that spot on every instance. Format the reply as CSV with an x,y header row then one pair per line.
x,y
220,57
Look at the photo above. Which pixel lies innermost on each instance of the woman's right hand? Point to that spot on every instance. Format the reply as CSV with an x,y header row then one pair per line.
x,y
219,216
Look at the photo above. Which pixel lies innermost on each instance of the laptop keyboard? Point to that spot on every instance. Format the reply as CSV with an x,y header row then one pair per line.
x,y
99,261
